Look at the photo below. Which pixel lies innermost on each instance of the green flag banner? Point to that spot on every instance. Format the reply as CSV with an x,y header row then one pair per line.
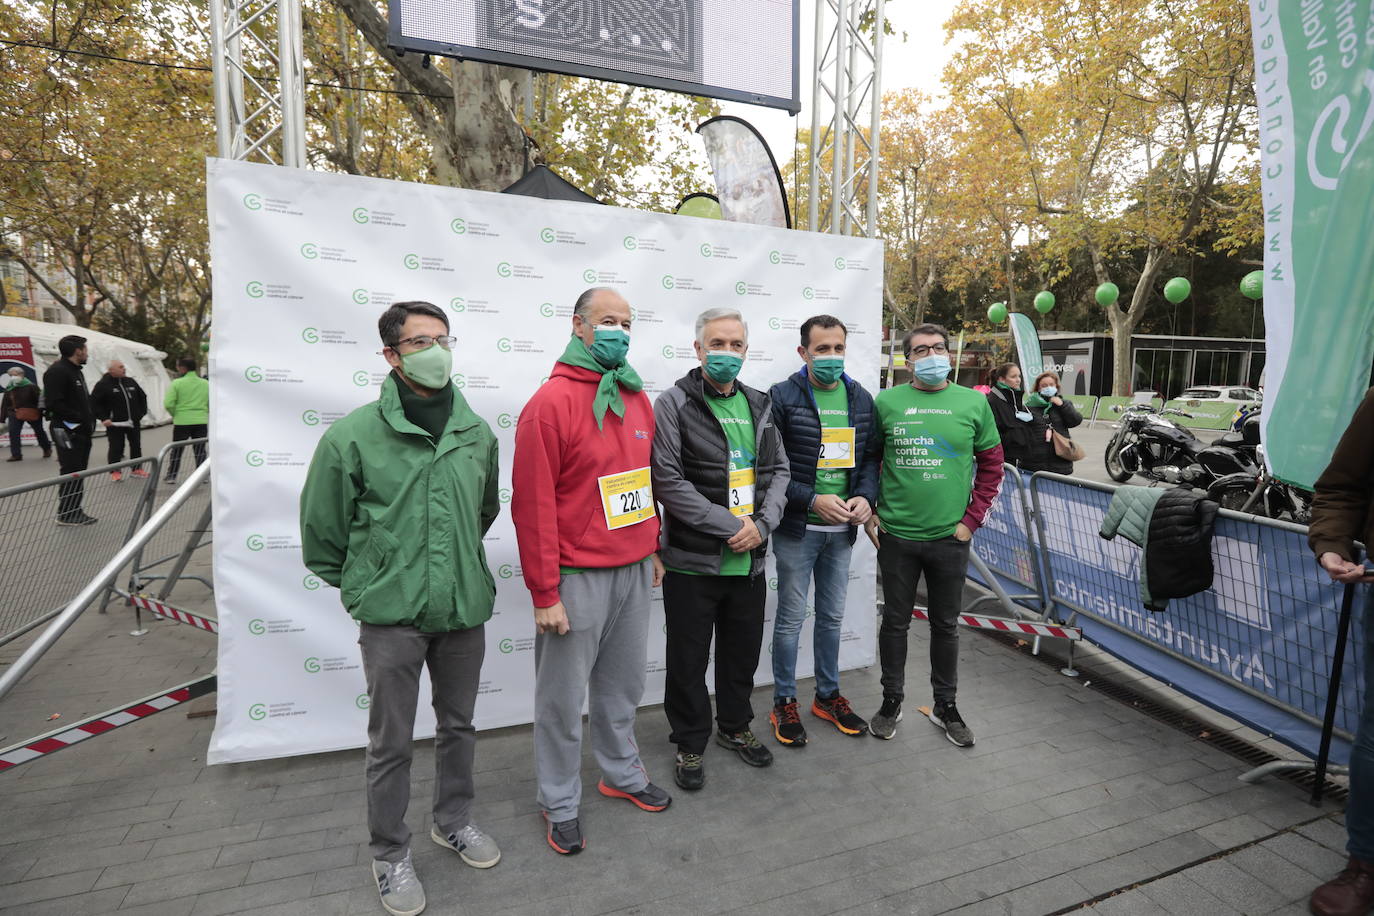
x,y
1027,348
1314,84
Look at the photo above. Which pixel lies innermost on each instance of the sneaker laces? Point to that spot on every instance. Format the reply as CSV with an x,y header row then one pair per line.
x,y
468,836
787,713
746,738
690,761
840,706
402,875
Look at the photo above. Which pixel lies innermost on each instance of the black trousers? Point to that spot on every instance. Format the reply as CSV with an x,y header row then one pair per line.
x,y
116,436
69,461
944,563
731,607
181,434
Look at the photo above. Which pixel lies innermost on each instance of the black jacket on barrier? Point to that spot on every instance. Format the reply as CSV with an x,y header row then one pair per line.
x,y
798,420
1178,560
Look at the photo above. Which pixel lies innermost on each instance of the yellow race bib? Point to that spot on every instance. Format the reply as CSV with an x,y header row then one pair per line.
x,y
837,448
626,498
742,492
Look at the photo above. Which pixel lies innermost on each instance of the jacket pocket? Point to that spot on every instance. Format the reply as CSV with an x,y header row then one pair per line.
x,y
362,572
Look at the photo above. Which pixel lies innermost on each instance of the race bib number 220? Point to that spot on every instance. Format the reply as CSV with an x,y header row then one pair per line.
x,y
626,498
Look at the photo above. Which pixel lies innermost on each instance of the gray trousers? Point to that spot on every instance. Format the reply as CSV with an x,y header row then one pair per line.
x,y
392,658
604,651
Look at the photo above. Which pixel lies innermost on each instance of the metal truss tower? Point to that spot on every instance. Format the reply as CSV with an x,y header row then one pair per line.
x,y
846,85
259,84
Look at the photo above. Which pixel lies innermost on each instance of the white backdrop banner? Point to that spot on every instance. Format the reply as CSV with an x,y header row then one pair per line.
x,y
305,262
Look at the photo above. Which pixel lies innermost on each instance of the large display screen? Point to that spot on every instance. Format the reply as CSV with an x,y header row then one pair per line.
x,y
742,50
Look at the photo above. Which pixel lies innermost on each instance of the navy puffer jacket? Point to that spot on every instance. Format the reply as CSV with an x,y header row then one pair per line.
x,y
798,420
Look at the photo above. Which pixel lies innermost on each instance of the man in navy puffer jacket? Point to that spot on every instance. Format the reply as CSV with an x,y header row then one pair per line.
x,y
826,422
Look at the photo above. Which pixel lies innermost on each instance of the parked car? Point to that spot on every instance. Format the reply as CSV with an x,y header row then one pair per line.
x,y
1233,395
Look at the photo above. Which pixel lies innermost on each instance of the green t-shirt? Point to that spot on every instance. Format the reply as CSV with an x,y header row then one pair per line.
x,y
929,438
738,423
833,407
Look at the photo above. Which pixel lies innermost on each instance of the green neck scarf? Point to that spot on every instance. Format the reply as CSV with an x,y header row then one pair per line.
x,y
20,382
1035,400
608,391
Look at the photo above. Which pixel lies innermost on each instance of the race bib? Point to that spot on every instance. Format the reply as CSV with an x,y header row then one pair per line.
x,y
742,492
627,498
837,448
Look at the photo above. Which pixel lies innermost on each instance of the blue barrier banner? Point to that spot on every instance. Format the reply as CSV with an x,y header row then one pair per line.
x,y
1262,635
1004,543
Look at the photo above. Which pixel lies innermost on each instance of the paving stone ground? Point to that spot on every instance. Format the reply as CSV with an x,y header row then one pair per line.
x,y
1067,797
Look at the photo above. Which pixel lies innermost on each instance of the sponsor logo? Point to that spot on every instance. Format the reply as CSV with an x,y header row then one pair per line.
x,y
310,251
505,571
457,304
547,235
256,626
363,216
775,257
471,227
252,201
459,381
507,646
589,275
630,243
773,584
459,226
313,335
705,250
255,542
741,288
361,296
667,282
667,352
255,289
312,664
839,264
785,259
508,345
310,417
782,324
546,309
503,344
362,701
257,712
505,495
411,261
311,582
310,335
720,252
253,373
505,420
360,214
254,458
808,293
503,269
361,378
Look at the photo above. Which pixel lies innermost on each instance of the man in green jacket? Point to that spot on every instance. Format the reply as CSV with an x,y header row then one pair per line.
x,y
188,401
397,499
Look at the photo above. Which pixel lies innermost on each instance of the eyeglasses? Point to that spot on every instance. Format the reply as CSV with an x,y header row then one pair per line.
x,y
424,342
939,349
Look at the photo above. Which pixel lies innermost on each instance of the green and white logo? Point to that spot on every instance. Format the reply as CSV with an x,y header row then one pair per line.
x,y
360,214
741,288
667,281
503,269
310,335
256,626
253,373
667,352
505,571
840,264
589,275
310,251
362,701
457,304
360,296
630,243
257,712
312,664
459,381
546,309
310,417
254,458
411,261
705,250
775,323
808,293
458,225
505,495
255,289
361,378
311,582
252,201
505,420
503,344
255,542
506,646
775,256
546,235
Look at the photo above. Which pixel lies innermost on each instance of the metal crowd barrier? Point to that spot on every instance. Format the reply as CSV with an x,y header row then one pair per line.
x,y
1256,646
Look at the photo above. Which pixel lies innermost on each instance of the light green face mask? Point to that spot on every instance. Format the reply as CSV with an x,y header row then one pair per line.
x,y
429,367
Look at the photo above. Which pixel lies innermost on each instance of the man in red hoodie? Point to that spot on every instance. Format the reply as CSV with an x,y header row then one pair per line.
x,y
586,525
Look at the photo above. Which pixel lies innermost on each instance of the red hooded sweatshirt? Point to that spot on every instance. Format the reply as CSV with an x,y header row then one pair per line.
x,y
560,454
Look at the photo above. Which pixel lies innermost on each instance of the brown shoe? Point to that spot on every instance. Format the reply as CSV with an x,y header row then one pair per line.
x,y
1351,893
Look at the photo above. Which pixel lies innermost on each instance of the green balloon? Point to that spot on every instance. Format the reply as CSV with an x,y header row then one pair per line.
x,y
1107,294
1044,301
1177,289
1252,285
205,348
997,312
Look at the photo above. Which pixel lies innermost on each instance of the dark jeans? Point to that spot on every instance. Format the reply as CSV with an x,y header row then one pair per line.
x,y
17,429
116,436
69,461
697,606
181,434
944,563
1359,808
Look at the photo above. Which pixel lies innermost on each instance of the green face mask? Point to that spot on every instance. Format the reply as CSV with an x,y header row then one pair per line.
x,y
1003,385
722,366
429,367
827,369
609,346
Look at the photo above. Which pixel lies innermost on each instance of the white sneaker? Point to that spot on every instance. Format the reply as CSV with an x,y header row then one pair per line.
x,y
472,845
399,887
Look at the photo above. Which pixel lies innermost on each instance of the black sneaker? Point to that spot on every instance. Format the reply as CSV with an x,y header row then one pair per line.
x,y
836,710
946,716
565,836
689,772
884,722
787,727
747,746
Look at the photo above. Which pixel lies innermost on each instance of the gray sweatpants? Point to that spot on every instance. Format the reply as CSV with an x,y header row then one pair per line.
x,y
392,658
604,650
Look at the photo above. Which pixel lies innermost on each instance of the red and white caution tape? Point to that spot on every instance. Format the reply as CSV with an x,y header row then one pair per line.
x,y
1007,625
98,725
198,621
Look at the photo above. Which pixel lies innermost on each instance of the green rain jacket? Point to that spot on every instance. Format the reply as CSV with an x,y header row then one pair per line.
x,y
395,519
188,400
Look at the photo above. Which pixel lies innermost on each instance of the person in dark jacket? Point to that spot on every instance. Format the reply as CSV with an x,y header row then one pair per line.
x,y
120,404
1049,412
720,473
825,419
1015,422
19,405
1343,512
73,424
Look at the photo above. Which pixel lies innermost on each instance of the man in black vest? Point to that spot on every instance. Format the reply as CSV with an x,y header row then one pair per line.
x,y
120,403
73,423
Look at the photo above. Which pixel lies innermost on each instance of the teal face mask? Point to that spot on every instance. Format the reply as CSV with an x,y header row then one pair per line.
x,y
609,346
1048,392
931,370
722,366
429,367
827,369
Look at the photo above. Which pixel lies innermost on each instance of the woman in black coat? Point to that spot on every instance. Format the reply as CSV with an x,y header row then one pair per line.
x,y
1015,424
1049,411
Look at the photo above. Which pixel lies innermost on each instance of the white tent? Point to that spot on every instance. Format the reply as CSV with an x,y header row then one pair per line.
x,y
142,362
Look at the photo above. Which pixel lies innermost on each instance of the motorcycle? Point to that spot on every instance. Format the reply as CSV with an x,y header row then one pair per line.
x,y
1148,444
1257,492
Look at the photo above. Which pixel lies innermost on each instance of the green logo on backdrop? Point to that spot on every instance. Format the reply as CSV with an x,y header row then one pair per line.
x,y
546,309
254,458
505,495
411,261
503,269
775,256
257,712
546,235
312,664
505,421
503,344
360,378
252,201
589,275
360,296
506,646
253,373
310,335
311,582
808,293
773,583
256,626
310,251
311,418
775,323
741,288
667,352
362,701
630,243
458,380
458,304
705,250
667,281
255,542
839,264
459,226
505,571
254,289
360,214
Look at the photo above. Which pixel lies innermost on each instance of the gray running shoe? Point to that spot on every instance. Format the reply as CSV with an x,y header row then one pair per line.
x,y
472,845
946,716
399,887
884,722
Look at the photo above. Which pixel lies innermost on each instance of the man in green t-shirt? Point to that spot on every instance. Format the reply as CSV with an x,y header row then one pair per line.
x,y
721,475
941,472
